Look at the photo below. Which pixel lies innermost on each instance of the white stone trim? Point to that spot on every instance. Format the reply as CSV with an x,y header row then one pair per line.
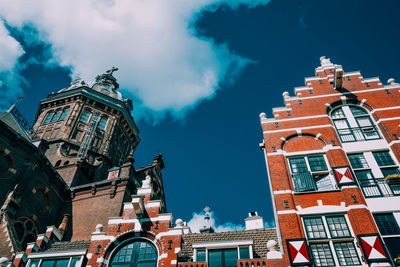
x,y
387,108
302,128
352,73
272,120
286,212
369,80
387,119
102,237
173,262
280,192
171,232
153,204
223,244
65,253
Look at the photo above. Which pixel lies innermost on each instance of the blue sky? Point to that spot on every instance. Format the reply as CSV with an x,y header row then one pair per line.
x,y
199,73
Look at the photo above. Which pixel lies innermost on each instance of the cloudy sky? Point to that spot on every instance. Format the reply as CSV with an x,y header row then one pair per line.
x,y
199,73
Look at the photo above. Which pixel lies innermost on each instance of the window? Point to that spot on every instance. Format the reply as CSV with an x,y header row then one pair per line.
x,y
310,173
103,123
353,124
222,258
387,224
64,114
57,262
371,168
331,243
85,116
48,117
56,116
136,254
227,256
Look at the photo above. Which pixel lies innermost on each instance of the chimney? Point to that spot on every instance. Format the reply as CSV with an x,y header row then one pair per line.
x,y
254,222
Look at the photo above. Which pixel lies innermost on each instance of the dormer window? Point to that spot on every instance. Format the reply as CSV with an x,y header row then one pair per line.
x,y
353,124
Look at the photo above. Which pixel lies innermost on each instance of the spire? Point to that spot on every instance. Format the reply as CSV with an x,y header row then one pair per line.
x,y
207,228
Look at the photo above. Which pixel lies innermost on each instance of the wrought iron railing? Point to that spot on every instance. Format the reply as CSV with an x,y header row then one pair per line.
x,y
378,187
358,134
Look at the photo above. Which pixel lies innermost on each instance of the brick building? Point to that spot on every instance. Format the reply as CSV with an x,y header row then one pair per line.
x,y
332,155
71,197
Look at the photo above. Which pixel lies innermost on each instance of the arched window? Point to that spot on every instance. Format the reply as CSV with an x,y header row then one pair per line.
x,y
58,163
64,114
353,124
137,254
103,123
48,117
56,116
85,116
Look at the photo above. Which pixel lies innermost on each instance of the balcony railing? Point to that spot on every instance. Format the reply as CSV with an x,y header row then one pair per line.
x,y
358,134
192,264
378,187
253,263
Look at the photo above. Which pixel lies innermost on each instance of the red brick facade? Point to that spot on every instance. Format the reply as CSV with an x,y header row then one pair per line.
x,y
304,127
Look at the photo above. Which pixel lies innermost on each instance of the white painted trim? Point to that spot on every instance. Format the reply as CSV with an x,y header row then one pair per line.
x,y
388,119
153,204
280,212
65,253
102,237
302,128
280,192
352,73
341,94
272,120
171,232
387,108
223,244
369,80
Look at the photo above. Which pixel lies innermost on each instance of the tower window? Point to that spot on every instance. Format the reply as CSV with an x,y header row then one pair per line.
x,y
48,117
56,116
85,116
64,114
103,123
387,224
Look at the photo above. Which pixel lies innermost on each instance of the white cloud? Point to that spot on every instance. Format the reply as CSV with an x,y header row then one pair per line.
x,y
161,60
10,81
197,222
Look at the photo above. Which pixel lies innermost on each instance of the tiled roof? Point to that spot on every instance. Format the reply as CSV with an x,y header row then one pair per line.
x,y
69,245
259,237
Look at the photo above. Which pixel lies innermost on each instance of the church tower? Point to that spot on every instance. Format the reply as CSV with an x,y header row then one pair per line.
x,y
89,129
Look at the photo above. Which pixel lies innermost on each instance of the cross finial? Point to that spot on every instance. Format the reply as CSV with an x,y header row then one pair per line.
x,y
110,71
206,209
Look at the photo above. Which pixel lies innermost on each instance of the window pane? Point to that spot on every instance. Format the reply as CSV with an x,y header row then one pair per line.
x,y
323,182
303,182
298,165
341,124
390,171
48,118
85,116
358,161
201,255
357,111
48,263
317,163
338,113
34,263
314,228
322,255
62,263
244,252
387,224
102,123
346,254
337,226
230,257
75,261
56,116
364,122
214,258
383,158
64,114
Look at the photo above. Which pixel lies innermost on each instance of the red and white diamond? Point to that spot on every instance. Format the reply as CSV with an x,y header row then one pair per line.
x,y
298,251
373,247
344,175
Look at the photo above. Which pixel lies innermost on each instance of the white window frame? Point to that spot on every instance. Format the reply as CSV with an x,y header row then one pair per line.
x,y
328,171
58,256
219,245
331,240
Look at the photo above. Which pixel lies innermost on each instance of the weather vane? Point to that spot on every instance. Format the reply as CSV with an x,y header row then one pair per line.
x,y
110,71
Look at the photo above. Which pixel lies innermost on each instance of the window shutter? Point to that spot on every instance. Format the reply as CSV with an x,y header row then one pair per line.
x,y
303,182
